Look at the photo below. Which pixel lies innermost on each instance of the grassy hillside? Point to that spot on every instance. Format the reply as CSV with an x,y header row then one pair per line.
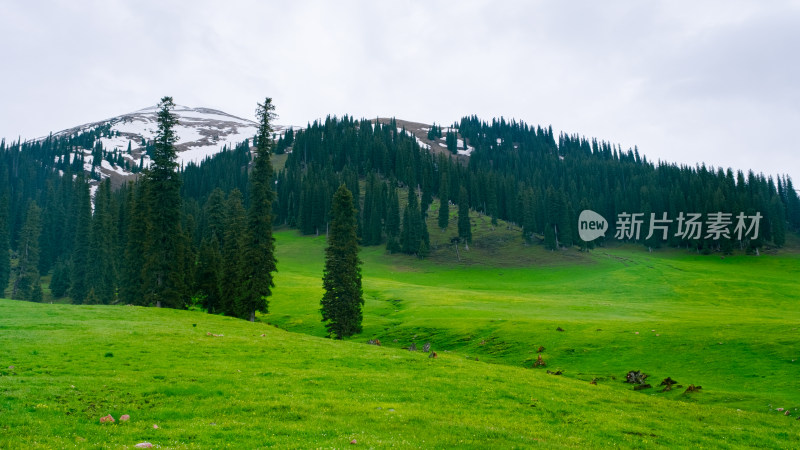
x,y
258,386
728,324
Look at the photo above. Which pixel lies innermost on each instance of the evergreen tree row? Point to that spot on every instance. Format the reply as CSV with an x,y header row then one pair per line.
x,y
181,237
519,174
148,242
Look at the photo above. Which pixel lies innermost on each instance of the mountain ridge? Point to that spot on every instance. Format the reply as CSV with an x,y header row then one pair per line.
x,y
202,133
123,140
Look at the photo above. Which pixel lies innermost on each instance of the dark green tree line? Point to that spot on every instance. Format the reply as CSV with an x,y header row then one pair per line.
x,y
525,175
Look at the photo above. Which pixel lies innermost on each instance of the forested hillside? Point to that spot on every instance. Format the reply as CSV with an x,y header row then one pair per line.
x,y
517,173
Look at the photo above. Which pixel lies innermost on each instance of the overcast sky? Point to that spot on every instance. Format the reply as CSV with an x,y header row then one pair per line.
x,y
687,81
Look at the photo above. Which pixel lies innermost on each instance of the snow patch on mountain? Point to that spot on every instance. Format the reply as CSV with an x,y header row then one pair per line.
x,y
408,132
202,133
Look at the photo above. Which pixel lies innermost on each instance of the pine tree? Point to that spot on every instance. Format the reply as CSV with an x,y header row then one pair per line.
x,y
260,246
393,221
5,258
411,235
529,219
550,237
233,276
102,272
305,222
444,203
36,293
408,243
372,226
51,241
566,230
435,132
792,204
214,212
79,285
209,274
427,185
341,303
777,221
366,232
187,255
27,282
451,139
425,241
375,221
491,201
91,298
59,283
163,273
131,290
555,213
464,225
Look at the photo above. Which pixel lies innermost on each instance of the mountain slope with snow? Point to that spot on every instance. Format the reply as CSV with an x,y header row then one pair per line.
x,y
117,148
202,133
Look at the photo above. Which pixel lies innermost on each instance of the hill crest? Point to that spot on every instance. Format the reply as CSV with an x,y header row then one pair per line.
x,y
202,133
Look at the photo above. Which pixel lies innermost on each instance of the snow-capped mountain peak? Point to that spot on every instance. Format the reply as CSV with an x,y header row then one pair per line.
x,y
202,132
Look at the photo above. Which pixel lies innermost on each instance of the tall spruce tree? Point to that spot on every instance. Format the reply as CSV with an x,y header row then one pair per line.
x,y
102,266
131,285
214,215
528,215
260,244
51,241
393,221
233,275
371,233
208,274
59,283
792,204
464,225
451,139
27,286
491,201
555,214
341,303
427,186
444,203
425,239
82,209
777,220
412,235
163,271
5,257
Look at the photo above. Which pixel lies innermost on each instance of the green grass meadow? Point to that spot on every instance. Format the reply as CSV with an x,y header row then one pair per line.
x,y
729,324
75,364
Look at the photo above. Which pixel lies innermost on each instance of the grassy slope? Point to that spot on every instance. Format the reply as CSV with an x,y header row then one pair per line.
x,y
74,364
729,324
